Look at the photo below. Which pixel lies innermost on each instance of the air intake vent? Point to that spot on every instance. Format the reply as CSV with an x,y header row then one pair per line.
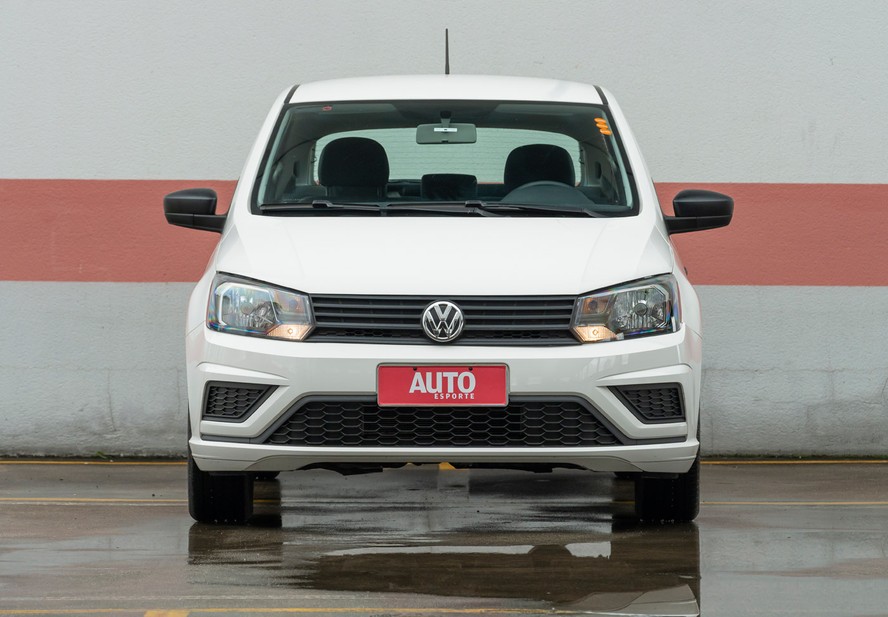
x,y
233,402
362,423
653,403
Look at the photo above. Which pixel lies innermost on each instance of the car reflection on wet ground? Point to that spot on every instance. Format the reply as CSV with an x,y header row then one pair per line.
x,y
588,562
116,539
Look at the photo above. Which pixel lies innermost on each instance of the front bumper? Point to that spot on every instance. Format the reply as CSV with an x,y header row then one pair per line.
x,y
586,372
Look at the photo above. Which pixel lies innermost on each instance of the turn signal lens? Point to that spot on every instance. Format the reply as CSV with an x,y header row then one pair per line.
x,y
594,334
290,332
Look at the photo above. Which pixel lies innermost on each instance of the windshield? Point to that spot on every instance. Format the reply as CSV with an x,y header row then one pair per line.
x,y
542,157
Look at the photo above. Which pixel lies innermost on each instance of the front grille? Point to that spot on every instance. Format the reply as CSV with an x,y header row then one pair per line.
x,y
496,320
233,402
362,423
653,403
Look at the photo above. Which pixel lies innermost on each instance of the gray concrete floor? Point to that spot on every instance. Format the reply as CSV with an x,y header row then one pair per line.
x,y
772,539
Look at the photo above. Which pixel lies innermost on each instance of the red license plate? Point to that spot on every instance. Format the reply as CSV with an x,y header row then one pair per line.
x,y
403,386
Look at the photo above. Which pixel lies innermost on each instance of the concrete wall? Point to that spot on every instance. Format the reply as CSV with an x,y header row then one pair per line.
x,y
106,106
93,368
753,91
789,375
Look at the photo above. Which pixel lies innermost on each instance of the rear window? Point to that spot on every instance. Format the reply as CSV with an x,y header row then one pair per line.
x,y
485,159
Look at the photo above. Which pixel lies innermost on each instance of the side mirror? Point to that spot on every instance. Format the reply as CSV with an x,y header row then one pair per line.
x,y
193,208
696,210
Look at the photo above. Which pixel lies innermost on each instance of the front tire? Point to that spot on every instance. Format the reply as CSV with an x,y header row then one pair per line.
x,y
219,498
673,500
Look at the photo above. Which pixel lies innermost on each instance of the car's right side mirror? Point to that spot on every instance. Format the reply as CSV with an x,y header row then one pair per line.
x,y
696,210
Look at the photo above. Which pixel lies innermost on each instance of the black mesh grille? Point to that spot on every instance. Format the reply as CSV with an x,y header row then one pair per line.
x,y
526,320
365,424
233,401
654,403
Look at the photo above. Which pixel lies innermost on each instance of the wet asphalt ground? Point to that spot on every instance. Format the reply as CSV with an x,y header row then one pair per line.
x,y
116,539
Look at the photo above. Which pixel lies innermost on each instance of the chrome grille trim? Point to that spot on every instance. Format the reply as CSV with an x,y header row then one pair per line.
x,y
489,320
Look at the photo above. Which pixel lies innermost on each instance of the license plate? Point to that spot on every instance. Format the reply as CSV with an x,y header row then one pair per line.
x,y
451,386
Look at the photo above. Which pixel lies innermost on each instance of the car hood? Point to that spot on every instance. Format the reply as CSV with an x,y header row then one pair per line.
x,y
443,256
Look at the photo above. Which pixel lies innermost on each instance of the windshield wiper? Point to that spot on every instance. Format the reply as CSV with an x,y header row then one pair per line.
x,y
319,204
451,208
504,208
324,206
456,208
483,208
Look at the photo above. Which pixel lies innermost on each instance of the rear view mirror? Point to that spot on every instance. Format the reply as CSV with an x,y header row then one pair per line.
x,y
193,208
696,210
446,133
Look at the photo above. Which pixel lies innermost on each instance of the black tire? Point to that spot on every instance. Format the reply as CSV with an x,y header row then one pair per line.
x,y
675,500
226,498
266,476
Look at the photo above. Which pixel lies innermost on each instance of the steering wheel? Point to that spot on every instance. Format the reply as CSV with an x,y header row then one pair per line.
x,y
547,193
542,183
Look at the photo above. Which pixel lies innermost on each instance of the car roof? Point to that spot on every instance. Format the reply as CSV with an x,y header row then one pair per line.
x,y
447,87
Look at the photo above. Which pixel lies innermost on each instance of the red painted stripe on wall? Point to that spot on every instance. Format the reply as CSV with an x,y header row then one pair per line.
x,y
790,234
100,230
114,230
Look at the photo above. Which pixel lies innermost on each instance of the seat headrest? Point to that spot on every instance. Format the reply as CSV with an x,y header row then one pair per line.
x,y
353,162
536,162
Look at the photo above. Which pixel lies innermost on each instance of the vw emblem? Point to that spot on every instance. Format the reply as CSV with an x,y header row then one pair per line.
x,y
442,321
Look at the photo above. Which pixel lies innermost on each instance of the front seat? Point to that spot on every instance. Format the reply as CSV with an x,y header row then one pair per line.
x,y
537,162
354,168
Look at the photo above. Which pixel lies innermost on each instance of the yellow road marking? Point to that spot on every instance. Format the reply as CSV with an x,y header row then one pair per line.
x,y
85,500
70,611
386,610
448,466
96,500
294,610
799,462
118,463
795,503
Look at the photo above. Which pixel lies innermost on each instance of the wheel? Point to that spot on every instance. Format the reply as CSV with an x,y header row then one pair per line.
x,y
219,498
674,500
266,476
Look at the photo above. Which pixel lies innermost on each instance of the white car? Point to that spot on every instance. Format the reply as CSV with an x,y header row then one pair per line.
x,y
462,269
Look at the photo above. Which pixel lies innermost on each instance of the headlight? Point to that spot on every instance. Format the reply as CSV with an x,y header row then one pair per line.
x,y
255,309
642,308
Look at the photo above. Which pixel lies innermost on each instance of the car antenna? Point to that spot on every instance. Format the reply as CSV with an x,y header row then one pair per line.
x,y
446,51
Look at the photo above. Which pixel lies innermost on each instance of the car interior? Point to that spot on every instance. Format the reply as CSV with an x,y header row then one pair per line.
x,y
513,153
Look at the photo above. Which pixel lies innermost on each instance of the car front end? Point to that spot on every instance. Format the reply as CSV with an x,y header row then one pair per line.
x,y
478,275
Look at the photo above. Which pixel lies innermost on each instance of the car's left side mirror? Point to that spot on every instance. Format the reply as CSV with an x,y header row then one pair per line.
x,y
696,210
193,208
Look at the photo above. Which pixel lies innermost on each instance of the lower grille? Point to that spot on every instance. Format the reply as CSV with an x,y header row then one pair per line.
x,y
362,423
653,403
233,402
